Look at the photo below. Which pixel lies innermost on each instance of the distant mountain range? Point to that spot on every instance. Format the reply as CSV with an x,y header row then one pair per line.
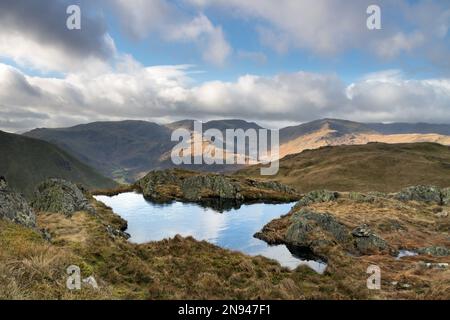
x,y
25,162
126,150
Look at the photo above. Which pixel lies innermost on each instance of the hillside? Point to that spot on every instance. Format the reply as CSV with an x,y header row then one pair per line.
x,y
371,167
127,150
25,162
118,150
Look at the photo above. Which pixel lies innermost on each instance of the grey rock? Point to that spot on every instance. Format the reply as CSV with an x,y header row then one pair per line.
x,y
14,207
445,195
316,230
317,196
219,186
367,242
429,194
435,251
60,196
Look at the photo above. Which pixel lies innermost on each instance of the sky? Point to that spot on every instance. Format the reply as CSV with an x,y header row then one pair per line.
x,y
277,63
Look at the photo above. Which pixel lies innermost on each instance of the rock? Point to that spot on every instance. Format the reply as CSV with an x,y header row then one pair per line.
x,y
445,196
57,195
117,233
429,194
14,207
429,265
366,242
319,231
316,231
370,197
442,214
435,251
317,196
154,179
175,184
194,188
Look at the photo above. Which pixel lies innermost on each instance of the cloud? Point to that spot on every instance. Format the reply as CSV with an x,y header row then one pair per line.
x,y
164,93
174,25
330,27
34,34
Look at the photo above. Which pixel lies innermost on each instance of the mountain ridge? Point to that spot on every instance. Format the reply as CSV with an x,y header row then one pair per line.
x,y
25,162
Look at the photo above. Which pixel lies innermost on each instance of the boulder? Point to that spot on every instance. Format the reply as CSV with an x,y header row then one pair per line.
x,y
320,231
14,207
429,194
366,242
445,196
317,196
57,195
435,251
316,231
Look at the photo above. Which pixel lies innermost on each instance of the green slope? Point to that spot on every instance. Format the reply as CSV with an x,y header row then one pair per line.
x,y
25,162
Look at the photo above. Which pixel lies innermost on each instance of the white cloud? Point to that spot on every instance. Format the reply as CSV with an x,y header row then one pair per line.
x,y
210,38
329,27
172,24
169,93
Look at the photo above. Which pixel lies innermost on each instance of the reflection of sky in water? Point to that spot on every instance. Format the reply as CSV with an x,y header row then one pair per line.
x,y
233,229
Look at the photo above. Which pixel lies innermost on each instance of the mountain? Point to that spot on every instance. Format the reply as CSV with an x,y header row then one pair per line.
x,y
127,150
117,149
334,132
371,167
25,162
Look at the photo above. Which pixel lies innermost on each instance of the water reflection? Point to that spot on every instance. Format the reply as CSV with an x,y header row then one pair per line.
x,y
232,229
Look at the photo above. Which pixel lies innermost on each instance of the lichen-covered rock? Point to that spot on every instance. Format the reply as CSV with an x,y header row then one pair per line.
x,y
435,251
194,188
60,196
445,196
369,197
155,179
177,184
317,196
429,194
367,242
320,231
316,230
14,207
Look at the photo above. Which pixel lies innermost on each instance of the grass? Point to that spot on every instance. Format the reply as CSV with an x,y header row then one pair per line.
x,y
371,167
184,268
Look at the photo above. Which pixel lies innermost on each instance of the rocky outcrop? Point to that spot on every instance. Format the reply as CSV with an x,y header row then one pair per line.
x,y
14,207
317,196
196,187
192,186
317,231
60,196
320,231
429,194
366,242
445,195
435,251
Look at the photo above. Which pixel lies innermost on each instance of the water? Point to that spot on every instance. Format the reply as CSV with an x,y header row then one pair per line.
x,y
406,253
232,229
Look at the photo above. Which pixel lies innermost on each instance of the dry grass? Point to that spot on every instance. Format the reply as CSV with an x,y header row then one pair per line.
x,y
183,268
404,226
371,167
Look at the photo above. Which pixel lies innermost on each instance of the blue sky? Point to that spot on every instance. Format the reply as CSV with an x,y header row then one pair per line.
x,y
278,62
